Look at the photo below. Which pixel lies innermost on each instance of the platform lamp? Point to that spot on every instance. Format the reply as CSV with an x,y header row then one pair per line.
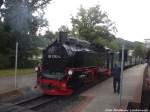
x,y
16,65
121,78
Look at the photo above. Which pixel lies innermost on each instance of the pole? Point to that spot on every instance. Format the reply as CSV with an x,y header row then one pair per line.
x,y
121,81
16,64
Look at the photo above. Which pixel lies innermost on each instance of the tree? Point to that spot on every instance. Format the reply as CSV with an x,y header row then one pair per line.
x,y
24,16
113,45
91,24
139,49
49,35
20,20
64,28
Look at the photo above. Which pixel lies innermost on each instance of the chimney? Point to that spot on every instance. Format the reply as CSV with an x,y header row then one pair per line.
x,y
62,36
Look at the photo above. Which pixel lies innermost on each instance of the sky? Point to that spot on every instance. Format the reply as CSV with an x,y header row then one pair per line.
x,y
132,17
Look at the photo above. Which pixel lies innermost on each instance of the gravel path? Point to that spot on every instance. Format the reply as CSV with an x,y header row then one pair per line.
x,y
8,83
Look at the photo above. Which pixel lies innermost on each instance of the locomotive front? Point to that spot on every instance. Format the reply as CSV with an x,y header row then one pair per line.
x,y
53,76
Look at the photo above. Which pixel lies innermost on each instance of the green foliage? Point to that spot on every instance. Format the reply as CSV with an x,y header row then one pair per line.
x,y
101,41
20,20
128,44
139,49
4,61
64,28
10,72
24,16
92,24
5,40
113,45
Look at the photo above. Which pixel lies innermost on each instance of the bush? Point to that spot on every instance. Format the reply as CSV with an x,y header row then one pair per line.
x,y
7,62
4,61
27,63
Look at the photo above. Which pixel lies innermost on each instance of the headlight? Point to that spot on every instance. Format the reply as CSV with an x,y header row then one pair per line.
x,y
70,72
36,69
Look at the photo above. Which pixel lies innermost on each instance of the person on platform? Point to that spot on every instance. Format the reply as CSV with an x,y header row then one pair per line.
x,y
116,73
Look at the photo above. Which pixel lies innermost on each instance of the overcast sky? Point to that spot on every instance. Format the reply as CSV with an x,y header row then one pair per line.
x,y
132,17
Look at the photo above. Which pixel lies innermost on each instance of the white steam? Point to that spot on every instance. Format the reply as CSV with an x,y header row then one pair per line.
x,y
19,16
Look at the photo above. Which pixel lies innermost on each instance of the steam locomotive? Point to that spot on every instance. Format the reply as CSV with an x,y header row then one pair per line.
x,y
69,63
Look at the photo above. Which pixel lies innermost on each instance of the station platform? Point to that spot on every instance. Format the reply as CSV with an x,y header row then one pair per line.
x,y
103,99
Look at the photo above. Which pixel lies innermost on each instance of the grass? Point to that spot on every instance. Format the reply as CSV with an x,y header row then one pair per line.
x,y
11,72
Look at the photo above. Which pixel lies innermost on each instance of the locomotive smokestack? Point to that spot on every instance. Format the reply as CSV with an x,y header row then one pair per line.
x,y
1,3
62,36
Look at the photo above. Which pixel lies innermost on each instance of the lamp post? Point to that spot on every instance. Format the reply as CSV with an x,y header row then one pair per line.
x,y
16,64
121,77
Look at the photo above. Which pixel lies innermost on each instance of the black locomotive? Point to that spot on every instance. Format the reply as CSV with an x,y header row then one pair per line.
x,y
69,63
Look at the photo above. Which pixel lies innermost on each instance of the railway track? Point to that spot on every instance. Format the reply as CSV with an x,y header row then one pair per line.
x,y
28,105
